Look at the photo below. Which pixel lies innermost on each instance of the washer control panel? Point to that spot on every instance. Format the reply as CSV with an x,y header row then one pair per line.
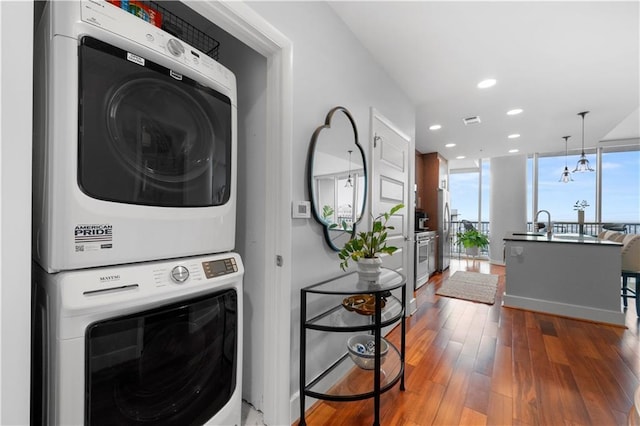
x,y
215,268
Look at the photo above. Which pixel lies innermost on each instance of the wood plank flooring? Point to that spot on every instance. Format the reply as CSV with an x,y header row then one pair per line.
x,y
476,364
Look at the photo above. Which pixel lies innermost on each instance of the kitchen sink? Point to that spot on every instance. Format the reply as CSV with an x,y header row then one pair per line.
x,y
575,237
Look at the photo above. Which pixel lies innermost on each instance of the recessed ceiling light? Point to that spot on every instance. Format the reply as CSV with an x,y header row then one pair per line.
x,y
450,145
515,111
460,157
513,151
435,127
484,84
514,136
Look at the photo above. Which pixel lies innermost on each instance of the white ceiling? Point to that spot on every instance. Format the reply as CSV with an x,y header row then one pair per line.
x,y
552,59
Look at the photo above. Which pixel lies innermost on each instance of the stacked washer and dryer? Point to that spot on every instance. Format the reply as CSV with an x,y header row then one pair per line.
x,y
137,307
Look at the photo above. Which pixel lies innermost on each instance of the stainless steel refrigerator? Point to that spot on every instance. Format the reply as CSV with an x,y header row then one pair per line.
x,y
444,230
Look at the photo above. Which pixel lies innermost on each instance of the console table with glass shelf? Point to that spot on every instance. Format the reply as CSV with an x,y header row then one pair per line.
x,y
360,383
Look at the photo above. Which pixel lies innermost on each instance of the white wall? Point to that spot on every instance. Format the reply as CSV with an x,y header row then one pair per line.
x,y
16,40
508,206
330,68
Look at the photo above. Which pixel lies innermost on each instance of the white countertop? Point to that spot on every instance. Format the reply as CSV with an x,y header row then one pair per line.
x,y
558,238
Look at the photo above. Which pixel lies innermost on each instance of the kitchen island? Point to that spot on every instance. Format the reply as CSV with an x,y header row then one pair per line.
x,y
571,275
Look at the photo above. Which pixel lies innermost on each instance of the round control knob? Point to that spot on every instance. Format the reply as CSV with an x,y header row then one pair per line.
x,y
180,274
175,47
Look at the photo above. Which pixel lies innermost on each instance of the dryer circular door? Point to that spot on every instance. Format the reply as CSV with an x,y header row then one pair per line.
x,y
149,135
160,131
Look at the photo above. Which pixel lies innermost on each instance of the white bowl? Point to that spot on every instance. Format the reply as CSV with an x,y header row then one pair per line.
x,y
365,359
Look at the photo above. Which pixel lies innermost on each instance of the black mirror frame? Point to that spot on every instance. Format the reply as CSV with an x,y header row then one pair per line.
x,y
312,149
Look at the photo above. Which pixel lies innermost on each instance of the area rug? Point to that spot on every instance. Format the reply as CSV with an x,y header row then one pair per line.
x,y
472,286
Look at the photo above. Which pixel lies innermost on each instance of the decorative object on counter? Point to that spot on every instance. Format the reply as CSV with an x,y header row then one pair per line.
x,y
363,304
580,206
365,247
337,177
361,349
566,175
472,240
472,286
583,163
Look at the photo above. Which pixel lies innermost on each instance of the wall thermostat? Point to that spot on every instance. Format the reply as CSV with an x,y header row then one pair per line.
x,y
301,210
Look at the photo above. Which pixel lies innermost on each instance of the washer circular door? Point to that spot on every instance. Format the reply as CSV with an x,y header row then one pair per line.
x,y
174,365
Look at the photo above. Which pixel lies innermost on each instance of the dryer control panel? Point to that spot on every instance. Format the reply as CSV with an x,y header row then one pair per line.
x,y
128,28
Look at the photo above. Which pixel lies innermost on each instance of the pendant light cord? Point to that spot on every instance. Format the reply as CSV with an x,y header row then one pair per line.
x,y
582,114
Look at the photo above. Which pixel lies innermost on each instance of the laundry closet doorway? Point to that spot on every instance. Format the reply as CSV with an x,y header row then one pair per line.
x,y
260,57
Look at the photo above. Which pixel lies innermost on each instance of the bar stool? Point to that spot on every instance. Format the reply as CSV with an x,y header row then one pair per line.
x,y
631,268
628,292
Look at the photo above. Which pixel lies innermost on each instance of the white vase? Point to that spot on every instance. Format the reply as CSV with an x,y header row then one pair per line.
x,y
369,268
581,222
473,251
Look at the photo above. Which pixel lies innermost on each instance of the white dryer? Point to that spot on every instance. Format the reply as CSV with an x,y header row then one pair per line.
x,y
135,142
150,343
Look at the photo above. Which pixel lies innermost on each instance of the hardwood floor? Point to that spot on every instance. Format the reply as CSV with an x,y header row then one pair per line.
x,y
476,364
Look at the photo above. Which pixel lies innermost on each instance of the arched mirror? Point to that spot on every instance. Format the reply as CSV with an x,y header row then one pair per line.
x,y
337,177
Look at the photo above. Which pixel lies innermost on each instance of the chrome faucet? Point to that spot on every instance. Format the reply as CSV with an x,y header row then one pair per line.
x,y
535,221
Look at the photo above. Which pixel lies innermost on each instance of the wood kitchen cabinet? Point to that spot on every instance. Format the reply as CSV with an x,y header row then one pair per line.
x,y
419,182
432,173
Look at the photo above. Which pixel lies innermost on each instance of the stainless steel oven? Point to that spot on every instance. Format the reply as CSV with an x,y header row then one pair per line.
x,y
425,263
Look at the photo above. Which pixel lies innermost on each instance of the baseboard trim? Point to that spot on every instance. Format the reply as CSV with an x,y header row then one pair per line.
x,y
584,313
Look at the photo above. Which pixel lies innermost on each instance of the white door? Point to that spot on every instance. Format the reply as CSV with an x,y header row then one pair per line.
x,y
390,151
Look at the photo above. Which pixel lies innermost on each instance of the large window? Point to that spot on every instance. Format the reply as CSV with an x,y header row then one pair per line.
x,y
463,188
620,191
559,198
486,191
621,187
529,189
468,196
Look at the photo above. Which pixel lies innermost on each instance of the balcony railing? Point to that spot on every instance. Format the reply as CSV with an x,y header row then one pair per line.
x,y
590,228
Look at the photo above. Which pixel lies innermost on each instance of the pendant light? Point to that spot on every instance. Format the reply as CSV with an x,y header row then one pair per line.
x,y
566,175
583,163
349,183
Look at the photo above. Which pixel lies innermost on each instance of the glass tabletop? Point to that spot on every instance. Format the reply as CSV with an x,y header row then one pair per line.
x,y
350,283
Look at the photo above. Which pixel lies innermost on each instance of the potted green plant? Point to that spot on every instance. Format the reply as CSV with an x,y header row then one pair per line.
x,y
365,246
472,240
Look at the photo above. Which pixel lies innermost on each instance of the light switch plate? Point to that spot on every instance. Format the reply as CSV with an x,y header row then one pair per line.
x,y
301,210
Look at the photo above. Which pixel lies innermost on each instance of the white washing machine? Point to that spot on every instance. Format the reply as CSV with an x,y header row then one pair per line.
x,y
134,142
145,344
